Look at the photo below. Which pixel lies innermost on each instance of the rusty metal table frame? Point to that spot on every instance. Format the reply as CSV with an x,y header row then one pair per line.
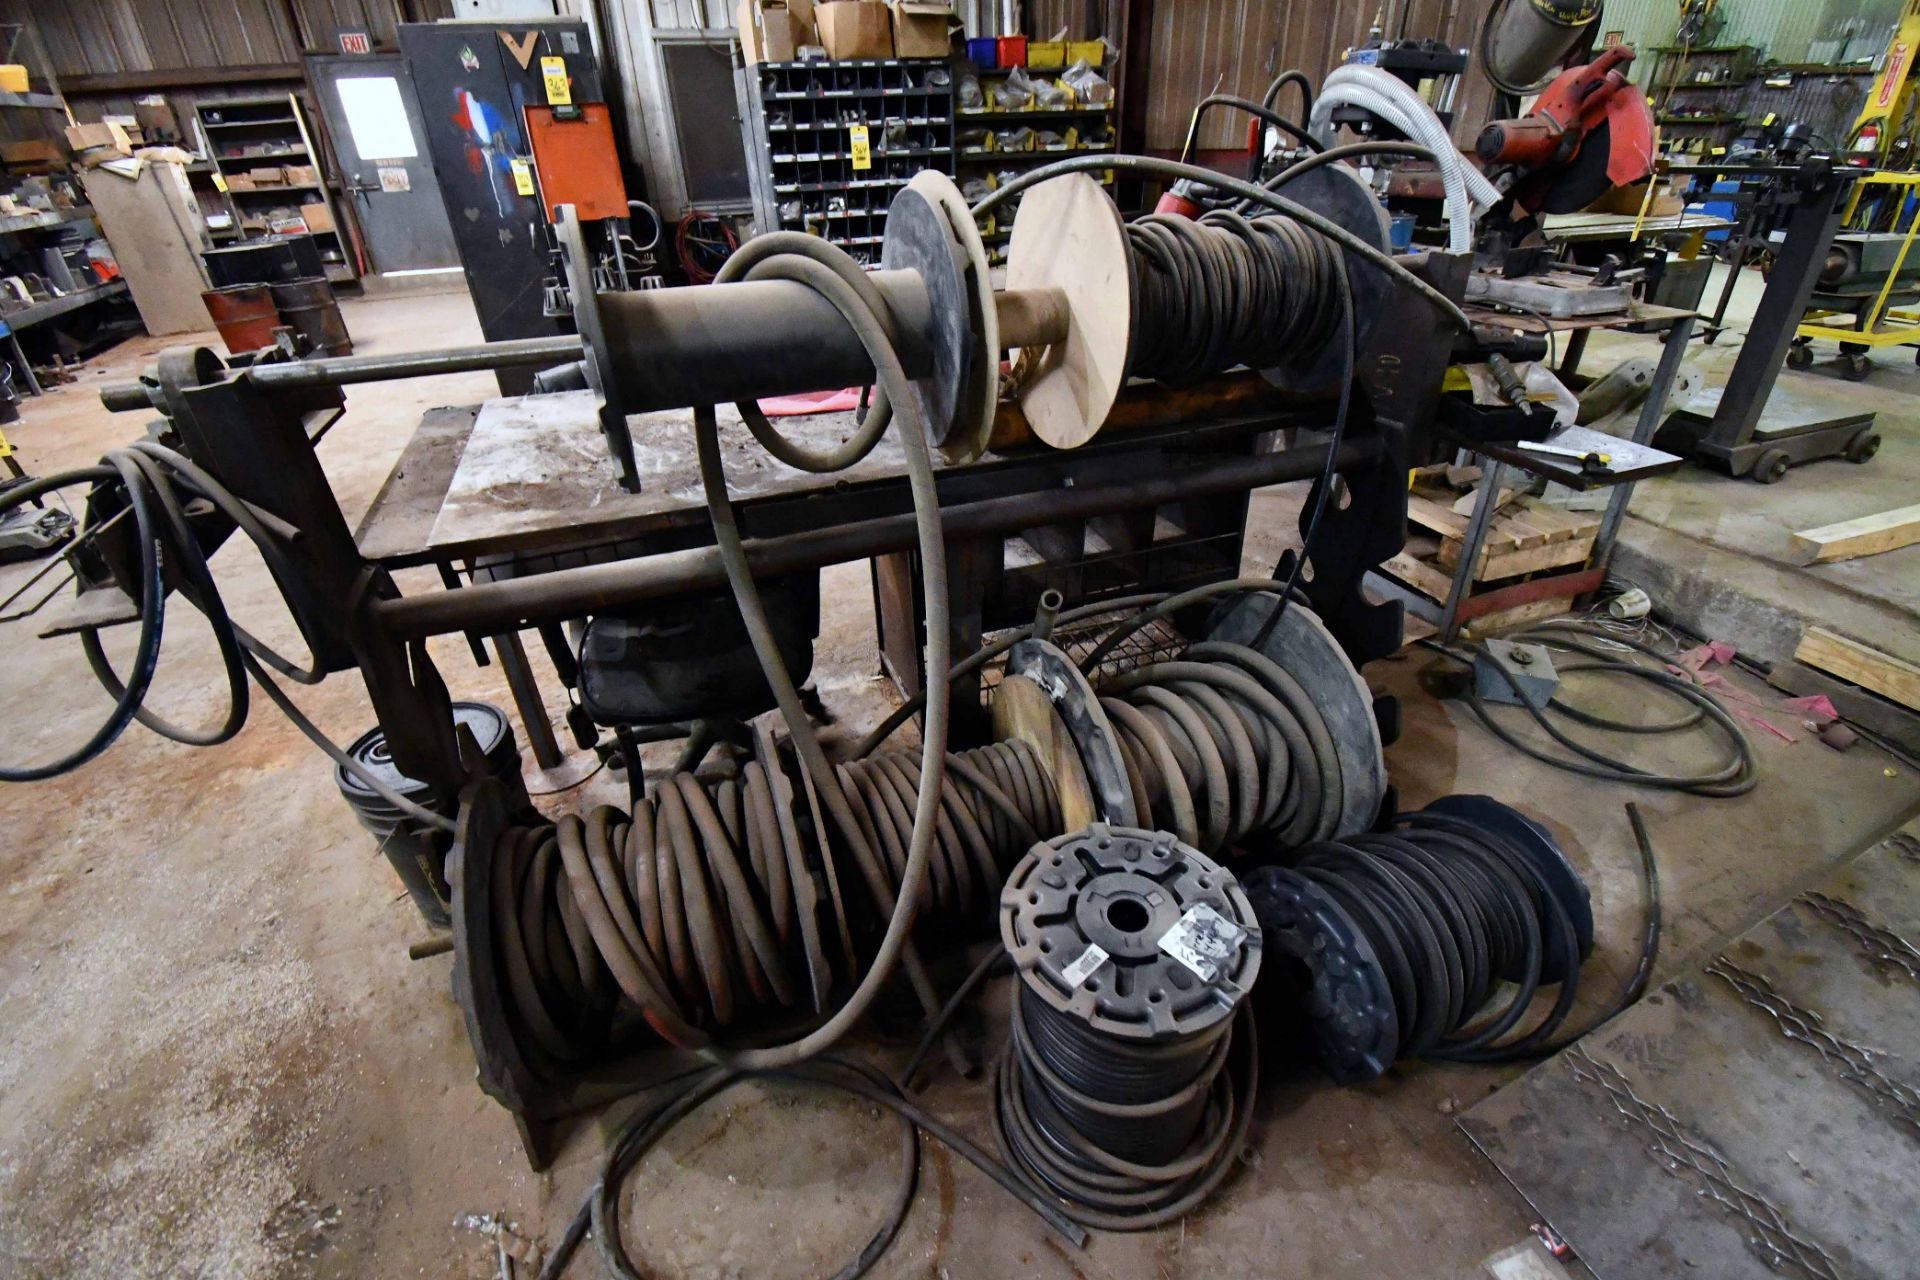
x,y
397,530
1678,326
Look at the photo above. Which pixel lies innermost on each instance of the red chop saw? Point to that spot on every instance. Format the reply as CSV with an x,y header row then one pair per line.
x,y
1588,132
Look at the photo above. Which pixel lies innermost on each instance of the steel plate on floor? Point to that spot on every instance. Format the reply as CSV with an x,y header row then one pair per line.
x,y
1758,1117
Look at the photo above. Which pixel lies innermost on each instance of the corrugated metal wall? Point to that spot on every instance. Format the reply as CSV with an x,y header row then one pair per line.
x,y
1237,46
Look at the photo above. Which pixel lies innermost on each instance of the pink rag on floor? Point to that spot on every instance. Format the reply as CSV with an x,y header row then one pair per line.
x,y
845,400
1815,707
1712,653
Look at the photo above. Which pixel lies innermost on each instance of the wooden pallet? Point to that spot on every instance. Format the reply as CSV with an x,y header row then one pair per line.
x,y
1527,537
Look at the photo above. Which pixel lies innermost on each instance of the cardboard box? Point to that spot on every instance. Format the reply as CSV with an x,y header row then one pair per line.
x,y
156,118
855,28
317,217
301,174
769,31
269,176
111,137
237,181
922,28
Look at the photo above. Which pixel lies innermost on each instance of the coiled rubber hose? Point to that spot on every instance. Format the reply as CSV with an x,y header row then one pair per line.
x,y
1224,744
1129,1135
1452,910
703,904
1228,290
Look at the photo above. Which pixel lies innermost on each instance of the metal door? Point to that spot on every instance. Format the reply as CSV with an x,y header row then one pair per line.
x,y
374,121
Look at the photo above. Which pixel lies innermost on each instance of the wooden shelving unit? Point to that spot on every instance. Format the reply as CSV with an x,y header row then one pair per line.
x,y
245,134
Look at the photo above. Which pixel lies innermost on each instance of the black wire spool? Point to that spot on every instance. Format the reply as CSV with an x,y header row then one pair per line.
x,y
1228,290
1118,1090
717,904
1400,938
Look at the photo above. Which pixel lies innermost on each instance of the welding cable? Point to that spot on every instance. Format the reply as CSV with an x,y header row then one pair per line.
x,y
1154,166
150,479
1226,291
1329,474
1460,920
703,904
1649,942
833,280
682,1095
1733,775
1262,112
1129,1135
878,412
1223,745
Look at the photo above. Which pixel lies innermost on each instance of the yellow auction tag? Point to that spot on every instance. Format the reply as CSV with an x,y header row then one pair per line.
x,y
559,88
1767,120
219,181
857,145
523,177
6,446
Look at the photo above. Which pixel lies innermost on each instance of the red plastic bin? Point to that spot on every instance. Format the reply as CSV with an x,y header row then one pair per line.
x,y
1013,51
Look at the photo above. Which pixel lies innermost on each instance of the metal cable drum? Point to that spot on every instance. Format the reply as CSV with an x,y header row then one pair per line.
x,y
1134,953
415,853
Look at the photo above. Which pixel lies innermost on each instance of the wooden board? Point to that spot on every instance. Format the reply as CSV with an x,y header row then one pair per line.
x,y
1860,664
1495,566
1420,575
1865,536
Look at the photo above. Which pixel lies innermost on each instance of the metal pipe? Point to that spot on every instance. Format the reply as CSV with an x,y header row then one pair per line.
x,y
1047,613
340,371
574,593
669,348
1032,317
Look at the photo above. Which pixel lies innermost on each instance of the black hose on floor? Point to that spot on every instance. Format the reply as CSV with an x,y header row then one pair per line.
x,y
1733,775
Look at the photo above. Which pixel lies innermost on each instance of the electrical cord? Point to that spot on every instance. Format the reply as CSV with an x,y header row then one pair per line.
x,y
149,480
684,1094
1734,775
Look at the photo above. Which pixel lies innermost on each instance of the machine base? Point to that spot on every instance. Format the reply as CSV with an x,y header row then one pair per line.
x,y
1794,428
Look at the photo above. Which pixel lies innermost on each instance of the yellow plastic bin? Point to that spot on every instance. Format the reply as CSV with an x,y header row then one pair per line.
x,y
1046,53
1091,52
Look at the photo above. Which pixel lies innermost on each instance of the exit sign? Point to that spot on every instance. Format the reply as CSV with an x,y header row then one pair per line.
x,y
355,42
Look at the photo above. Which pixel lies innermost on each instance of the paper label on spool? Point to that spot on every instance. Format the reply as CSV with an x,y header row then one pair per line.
x,y
1203,940
1080,970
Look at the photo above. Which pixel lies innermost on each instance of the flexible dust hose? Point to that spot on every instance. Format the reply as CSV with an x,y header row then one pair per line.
x,y
710,905
1127,1085
1380,93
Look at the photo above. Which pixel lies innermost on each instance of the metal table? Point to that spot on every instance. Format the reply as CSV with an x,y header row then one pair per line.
x,y
524,485
1635,459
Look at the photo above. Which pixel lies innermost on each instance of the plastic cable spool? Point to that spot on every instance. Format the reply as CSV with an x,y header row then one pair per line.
x,y
1105,926
1350,1010
415,853
1544,852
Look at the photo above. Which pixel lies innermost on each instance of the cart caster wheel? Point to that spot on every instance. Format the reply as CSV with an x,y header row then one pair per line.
x,y
1916,355
1865,443
1771,465
1799,356
1855,367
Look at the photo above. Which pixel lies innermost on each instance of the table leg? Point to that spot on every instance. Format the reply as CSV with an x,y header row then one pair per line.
x,y
1571,354
1649,422
1484,507
20,362
527,700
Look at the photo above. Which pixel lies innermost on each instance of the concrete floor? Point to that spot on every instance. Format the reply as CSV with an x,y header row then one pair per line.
x,y
1720,548
218,1060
